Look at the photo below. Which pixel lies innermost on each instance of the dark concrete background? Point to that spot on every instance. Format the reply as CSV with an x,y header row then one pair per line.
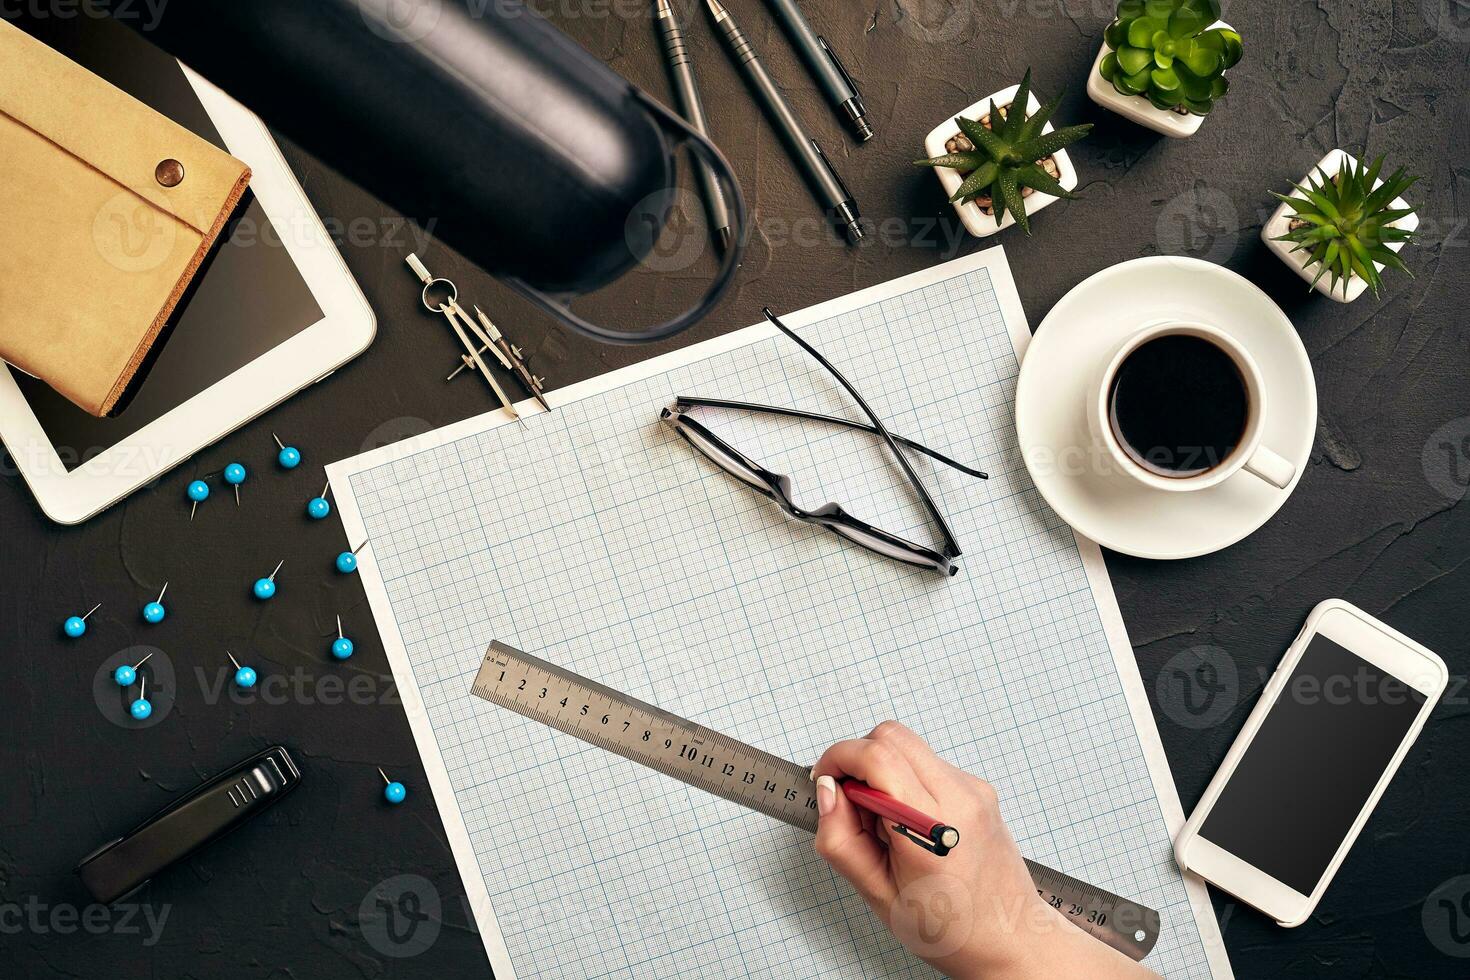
x,y
1378,519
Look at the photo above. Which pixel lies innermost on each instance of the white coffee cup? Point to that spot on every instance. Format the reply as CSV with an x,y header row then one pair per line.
x,y
1249,453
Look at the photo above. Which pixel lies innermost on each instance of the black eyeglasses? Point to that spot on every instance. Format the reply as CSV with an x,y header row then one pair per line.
x,y
831,516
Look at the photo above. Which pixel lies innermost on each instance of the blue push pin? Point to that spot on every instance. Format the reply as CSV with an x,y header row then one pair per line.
x,y
198,492
244,676
341,646
75,626
347,560
234,476
289,457
394,793
141,708
266,587
154,611
127,676
317,507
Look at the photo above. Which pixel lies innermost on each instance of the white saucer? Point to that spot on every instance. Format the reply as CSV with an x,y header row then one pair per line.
x,y
1063,364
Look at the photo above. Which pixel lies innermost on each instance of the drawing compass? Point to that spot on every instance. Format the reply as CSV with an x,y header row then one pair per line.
x,y
508,354
447,294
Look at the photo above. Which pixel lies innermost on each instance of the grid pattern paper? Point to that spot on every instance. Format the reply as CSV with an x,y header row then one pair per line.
x,y
596,538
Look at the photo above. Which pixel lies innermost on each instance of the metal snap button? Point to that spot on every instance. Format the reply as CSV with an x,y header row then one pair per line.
x,y
169,173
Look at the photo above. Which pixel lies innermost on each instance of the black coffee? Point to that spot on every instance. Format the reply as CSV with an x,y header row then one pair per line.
x,y
1179,406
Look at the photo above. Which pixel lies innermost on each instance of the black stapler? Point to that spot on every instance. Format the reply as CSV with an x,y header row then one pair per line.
x,y
199,817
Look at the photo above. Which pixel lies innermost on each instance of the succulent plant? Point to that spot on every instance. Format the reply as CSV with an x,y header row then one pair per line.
x,y
1007,158
1166,51
1345,224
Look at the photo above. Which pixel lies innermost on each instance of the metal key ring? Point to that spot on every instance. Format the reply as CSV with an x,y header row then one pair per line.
x,y
453,296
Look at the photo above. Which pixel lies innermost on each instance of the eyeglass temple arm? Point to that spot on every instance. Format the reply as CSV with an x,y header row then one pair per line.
x,y
951,545
684,401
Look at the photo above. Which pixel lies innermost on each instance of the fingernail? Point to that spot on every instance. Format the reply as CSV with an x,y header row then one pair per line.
x,y
826,795
812,774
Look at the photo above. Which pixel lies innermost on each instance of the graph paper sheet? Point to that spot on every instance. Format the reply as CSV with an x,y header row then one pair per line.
x,y
596,538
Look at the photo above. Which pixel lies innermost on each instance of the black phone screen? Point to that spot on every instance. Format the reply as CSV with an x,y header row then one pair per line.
x,y
1312,765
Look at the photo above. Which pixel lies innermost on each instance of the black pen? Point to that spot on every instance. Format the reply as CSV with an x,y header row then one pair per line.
x,y
825,183
681,73
825,64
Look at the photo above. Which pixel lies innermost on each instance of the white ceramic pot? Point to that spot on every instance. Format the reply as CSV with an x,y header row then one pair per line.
x,y
1278,223
976,221
1137,107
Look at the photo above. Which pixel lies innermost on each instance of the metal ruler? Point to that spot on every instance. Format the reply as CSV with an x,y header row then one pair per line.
x,y
744,774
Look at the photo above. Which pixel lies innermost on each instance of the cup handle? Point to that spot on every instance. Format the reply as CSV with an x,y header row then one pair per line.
x,y
1270,467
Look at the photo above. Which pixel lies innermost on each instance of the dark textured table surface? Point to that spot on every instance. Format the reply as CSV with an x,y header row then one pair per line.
x,y
1379,517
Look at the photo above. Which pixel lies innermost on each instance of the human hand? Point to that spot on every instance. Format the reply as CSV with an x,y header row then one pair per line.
x,y
974,913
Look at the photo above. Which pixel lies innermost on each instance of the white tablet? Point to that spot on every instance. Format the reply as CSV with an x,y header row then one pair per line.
x,y
273,310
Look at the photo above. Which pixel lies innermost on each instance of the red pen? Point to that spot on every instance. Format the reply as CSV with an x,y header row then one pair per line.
x,y
932,835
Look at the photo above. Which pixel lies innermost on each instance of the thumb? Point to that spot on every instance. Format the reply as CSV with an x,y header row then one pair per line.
x,y
849,848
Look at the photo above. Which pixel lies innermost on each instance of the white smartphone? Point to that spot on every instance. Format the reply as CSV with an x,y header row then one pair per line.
x,y
1331,727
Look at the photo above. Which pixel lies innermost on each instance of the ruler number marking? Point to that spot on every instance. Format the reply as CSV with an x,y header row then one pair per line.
x,y
740,773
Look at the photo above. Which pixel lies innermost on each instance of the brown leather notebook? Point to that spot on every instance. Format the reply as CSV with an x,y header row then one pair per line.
x,y
107,209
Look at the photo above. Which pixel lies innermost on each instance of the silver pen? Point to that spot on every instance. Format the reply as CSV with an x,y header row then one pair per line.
x,y
841,90
681,73
805,152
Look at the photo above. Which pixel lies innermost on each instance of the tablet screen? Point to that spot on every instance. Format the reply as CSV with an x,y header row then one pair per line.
x,y
247,299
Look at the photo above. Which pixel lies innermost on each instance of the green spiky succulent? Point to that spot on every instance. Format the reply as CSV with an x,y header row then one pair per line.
x,y
1009,156
1346,225
1166,51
